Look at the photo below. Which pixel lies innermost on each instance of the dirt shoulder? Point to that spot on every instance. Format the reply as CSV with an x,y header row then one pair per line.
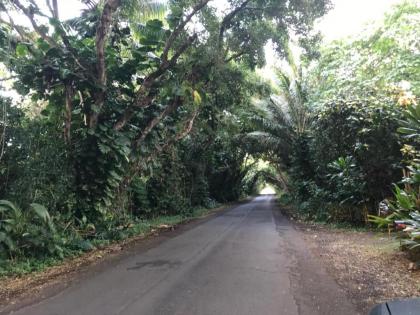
x,y
368,265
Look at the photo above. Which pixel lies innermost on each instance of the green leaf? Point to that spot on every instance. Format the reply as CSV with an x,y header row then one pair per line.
x,y
21,50
42,44
196,98
5,239
6,205
64,73
155,24
104,148
41,212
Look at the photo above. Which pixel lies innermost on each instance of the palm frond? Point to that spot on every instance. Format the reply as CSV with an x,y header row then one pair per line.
x,y
141,11
149,32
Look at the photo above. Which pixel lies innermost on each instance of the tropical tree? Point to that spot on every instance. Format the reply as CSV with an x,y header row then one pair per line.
x,y
380,63
283,120
358,89
125,92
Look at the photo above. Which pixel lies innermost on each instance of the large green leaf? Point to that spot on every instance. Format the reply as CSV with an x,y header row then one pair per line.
x,y
41,212
6,206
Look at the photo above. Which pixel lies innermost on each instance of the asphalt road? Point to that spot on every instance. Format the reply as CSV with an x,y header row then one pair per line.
x,y
247,260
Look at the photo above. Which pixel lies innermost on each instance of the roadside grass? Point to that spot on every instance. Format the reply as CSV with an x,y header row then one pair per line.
x,y
344,226
139,228
290,209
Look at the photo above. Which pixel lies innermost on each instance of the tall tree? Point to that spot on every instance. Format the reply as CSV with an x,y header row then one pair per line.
x,y
128,91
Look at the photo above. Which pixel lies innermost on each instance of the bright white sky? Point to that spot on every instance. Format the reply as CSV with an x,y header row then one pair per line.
x,y
348,17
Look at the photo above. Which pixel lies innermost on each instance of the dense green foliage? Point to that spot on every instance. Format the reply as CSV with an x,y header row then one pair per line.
x,y
332,130
354,157
353,148
403,211
128,112
376,64
134,111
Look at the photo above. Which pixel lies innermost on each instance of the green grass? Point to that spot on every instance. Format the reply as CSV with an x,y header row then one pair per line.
x,y
21,267
292,209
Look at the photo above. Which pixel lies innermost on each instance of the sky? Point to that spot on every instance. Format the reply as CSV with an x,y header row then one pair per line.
x,y
347,17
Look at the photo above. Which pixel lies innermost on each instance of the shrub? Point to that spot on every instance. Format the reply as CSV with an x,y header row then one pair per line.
x,y
140,204
404,216
404,211
29,233
365,131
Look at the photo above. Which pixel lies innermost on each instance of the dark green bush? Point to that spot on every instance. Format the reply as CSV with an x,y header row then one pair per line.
x,y
346,165
140,203
27,233
366,132
35,166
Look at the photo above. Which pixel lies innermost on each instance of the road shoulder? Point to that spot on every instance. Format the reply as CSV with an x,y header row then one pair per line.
x,y
315,290
368,265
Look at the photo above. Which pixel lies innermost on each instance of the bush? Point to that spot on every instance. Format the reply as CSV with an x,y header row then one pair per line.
x,y
36,165
346,165
140,203
27,233
365,132
403,212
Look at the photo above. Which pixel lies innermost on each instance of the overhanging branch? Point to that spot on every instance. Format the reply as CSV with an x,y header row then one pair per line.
x,y
234,56
29,13
145,95
177,31
227,20
146,131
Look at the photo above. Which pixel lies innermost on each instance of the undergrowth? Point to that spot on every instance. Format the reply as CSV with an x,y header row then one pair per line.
x,y
21,265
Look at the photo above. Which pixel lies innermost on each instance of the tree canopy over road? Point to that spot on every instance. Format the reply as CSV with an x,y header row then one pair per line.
x,y
138,109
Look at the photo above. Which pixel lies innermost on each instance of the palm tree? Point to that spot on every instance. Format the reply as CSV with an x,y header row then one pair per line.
x,y
284,119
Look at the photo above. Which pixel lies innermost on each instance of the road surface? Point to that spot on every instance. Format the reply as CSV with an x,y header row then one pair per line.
x,y
247,260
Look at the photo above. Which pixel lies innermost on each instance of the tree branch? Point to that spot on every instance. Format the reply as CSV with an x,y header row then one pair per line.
x,y
90,4
19,29
8,78
55,8
185,131
177,31
234,56
25,36
30,15
101,36
169,109
227,19
69,93
3,134
136,168
145,96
